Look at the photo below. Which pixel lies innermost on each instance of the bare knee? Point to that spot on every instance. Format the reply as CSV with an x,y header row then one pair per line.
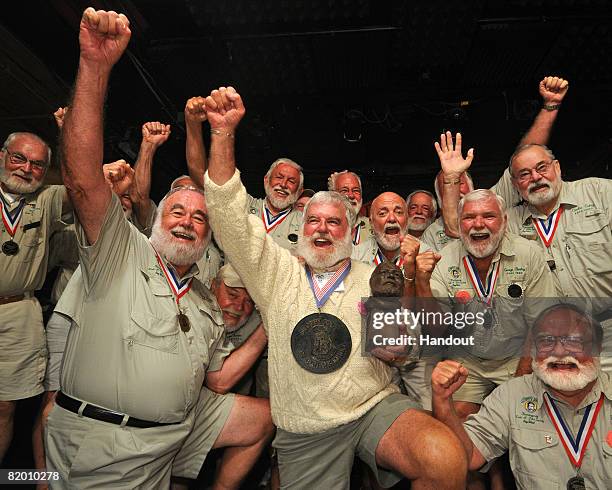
x,y
7,411
444,460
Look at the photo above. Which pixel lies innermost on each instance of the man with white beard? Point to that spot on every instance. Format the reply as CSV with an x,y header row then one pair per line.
x,y
31,213
497,274
571,223
328,400
144,332
348,184
422,209
555,423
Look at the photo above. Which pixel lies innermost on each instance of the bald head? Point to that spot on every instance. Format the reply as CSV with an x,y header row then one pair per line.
x,y
388,215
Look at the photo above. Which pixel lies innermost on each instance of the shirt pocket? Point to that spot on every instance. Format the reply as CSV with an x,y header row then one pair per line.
x,y
32,243
161,334
589,245
534,457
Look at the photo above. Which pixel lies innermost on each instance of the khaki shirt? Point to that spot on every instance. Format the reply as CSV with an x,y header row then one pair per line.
x,y
581,250
301,401
521,263
435,237
286,232
209,265
368,251
514,418
41,216
125,350
233,340
505,189
361,240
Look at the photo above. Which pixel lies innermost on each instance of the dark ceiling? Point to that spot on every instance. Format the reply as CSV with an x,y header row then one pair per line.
x,y
314,74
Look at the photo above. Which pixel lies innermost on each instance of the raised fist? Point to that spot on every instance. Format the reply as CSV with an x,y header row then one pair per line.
x,y
447,377
195,110
103,37
224,109
59,116
553,90
155,133
409,249
119,176
425,264
450,156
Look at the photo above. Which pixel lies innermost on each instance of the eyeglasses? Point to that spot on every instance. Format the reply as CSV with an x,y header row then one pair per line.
x,y
547,343
540,169
17,158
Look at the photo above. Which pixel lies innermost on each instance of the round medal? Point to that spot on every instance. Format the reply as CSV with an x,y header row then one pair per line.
x,y
10,248
576,483
292,237
184,322
515,291
321,343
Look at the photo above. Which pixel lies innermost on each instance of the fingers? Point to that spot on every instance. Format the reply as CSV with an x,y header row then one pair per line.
x,y
235,98
470,156
91,17
457,143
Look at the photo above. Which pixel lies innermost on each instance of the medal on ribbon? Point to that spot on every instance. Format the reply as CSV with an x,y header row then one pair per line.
x,y
271,221
11,219
575,448
379,258
484,292
323,291
546,228
179,289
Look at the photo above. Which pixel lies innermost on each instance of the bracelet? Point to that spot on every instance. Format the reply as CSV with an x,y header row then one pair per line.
x,y
452,182
551,107
409,279
221,133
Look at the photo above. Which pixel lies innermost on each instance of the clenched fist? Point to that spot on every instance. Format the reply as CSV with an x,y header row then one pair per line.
x,y
224,109
103,37
155,133
446,378
59,116
119,176
195,110
425,264
409,250
553,90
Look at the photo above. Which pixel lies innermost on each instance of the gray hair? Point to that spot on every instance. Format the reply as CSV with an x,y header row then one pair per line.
x,y
522,148
162,203
289,162
481,195
434,205
437,187
331,181
9,139
332,197
180,178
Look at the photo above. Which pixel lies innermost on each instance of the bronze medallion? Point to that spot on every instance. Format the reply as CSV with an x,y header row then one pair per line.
x,y
321,343
184,322
10,248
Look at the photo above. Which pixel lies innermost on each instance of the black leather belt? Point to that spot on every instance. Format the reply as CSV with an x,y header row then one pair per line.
x,y
98,413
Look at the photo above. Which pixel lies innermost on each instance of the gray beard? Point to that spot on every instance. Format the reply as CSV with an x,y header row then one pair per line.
x,y
279,203
177,253
484,250
14,186
566,381
323,259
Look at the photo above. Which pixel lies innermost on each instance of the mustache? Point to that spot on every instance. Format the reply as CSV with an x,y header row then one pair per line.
x,y
233,312
392,226
183,231
542,183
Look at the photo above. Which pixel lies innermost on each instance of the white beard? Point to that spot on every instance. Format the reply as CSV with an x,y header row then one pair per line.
x,y
566,381
280,203
484,248
177,253
390,243
356,206
15,185
543,197
417,226
320,259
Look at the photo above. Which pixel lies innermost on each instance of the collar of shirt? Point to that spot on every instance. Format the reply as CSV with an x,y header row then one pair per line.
x,y
603,384
565,197
9,197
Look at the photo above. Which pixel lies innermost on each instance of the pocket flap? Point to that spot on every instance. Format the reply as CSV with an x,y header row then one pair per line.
x,y
535,439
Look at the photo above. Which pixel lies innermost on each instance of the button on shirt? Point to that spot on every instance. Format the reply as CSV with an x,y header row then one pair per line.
x,y
125,350
514,418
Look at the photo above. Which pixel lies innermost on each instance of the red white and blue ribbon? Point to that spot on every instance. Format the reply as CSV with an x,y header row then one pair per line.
x,y
485,292
270,220
179,288
357,234
575,448
546,228
322,293
11,218
379,258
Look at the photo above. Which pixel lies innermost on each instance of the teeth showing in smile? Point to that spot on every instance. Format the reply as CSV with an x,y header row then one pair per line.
x,y
562,365
479,236
321,242
183,236
281,192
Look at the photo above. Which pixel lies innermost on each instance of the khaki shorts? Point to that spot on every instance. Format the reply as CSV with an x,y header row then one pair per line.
x,y
483,377
89,453
416,381
23,351
324,460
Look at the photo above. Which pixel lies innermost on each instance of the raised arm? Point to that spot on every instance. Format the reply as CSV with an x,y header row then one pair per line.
x,y
103,37
453,166
154,134
552,91
225,110
238,363
195,152
446,378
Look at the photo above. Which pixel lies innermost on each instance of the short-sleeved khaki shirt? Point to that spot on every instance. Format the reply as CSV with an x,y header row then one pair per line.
x,y
41,216
505,189
520,263
125,350
209,265
285,232
580,254
514,418
435,236
370,253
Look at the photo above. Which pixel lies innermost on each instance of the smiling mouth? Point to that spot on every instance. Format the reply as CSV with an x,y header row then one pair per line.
x,y
562,366
479,237
183,236
280,192
23,177
539,187
392,231
322,242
